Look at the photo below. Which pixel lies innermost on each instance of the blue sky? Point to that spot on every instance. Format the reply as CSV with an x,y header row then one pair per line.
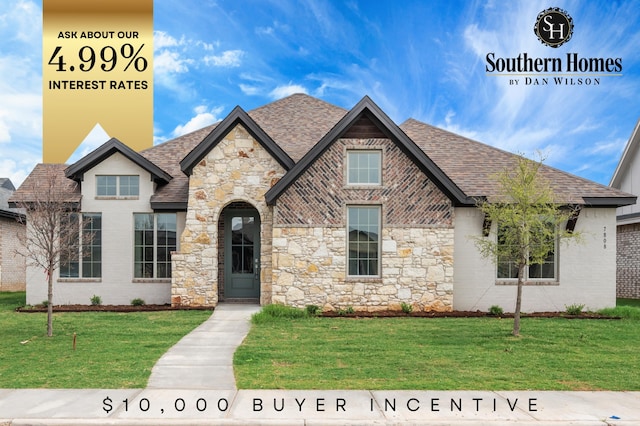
x,y
420,59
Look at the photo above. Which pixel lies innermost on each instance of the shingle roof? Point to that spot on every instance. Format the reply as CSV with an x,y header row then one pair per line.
x,y
42,173
472,166
167,156
6,183
298,122
6,190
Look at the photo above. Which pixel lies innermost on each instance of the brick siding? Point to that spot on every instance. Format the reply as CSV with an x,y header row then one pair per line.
x,y
408,197
12,265
628,261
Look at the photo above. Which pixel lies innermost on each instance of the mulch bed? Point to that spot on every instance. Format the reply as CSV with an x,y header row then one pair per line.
x,y
334,314
462,314
111,308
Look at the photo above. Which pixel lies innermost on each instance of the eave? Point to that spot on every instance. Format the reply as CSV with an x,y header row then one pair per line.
x,y
77,170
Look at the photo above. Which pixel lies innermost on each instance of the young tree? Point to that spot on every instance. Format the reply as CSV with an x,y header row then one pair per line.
x,y
529,221
53,234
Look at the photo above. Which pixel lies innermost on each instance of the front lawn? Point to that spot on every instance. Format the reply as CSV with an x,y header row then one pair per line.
x,y
440,354
113,350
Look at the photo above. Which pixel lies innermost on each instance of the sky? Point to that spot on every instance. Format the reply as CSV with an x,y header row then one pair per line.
x,y
415,59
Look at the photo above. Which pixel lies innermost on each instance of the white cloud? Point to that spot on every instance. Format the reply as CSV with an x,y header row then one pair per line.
x,y
249,90
19,21
17,173
614,147
264,30
161,40
204,117
20,88
481,42
170,62
284,91
5,136
229,58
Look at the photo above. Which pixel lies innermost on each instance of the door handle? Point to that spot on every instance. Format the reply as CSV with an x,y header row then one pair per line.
x,y
256,268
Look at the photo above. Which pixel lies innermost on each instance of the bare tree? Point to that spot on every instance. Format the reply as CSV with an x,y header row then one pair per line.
x,y
529,222
53,232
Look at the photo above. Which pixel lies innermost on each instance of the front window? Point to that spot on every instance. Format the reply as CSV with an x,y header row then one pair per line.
x,y
363,224
82,255
364,167
508,269
154,240
117,186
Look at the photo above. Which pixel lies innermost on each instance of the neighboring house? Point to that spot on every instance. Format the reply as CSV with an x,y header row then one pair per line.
x,y
12,265
301,202
627,178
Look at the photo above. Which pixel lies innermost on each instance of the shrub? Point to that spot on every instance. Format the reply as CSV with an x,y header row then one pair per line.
x,y
345,311
96,300
274,312
406,308
137,302
312,310
45,303
496,310
574,309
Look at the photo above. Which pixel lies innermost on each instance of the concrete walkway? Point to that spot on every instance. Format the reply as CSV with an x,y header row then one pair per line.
x,y
203,359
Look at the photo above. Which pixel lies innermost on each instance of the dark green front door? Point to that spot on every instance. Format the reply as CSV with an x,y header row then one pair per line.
x,y
242,254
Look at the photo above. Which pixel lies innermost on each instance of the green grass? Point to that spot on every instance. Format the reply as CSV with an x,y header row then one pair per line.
x,y
440,354
628,302
113,350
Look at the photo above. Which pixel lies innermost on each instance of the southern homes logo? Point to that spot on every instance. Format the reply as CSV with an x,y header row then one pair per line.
x,y
553,27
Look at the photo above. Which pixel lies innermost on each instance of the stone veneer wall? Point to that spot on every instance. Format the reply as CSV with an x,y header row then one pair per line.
x,y
237,169
309,267
310,239
628,261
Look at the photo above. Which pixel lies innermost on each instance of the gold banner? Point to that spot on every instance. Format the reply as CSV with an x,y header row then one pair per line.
x,y
97,68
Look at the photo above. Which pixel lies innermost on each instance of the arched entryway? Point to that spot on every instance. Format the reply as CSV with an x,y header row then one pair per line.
x,y
239,253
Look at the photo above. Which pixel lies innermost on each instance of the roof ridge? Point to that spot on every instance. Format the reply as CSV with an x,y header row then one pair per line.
x,y
177,138
287,98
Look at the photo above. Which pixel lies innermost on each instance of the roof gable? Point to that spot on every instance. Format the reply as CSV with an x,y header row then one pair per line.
x,y
358,121
235,117
626,161
7,184
77,170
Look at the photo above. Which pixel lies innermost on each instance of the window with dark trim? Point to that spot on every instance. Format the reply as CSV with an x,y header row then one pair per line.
x,y
508,269
154,240
363,240
78,260
364,167
117,186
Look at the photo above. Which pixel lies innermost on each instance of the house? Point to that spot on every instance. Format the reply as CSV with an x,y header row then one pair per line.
x,y
12,265
302,202
627,178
